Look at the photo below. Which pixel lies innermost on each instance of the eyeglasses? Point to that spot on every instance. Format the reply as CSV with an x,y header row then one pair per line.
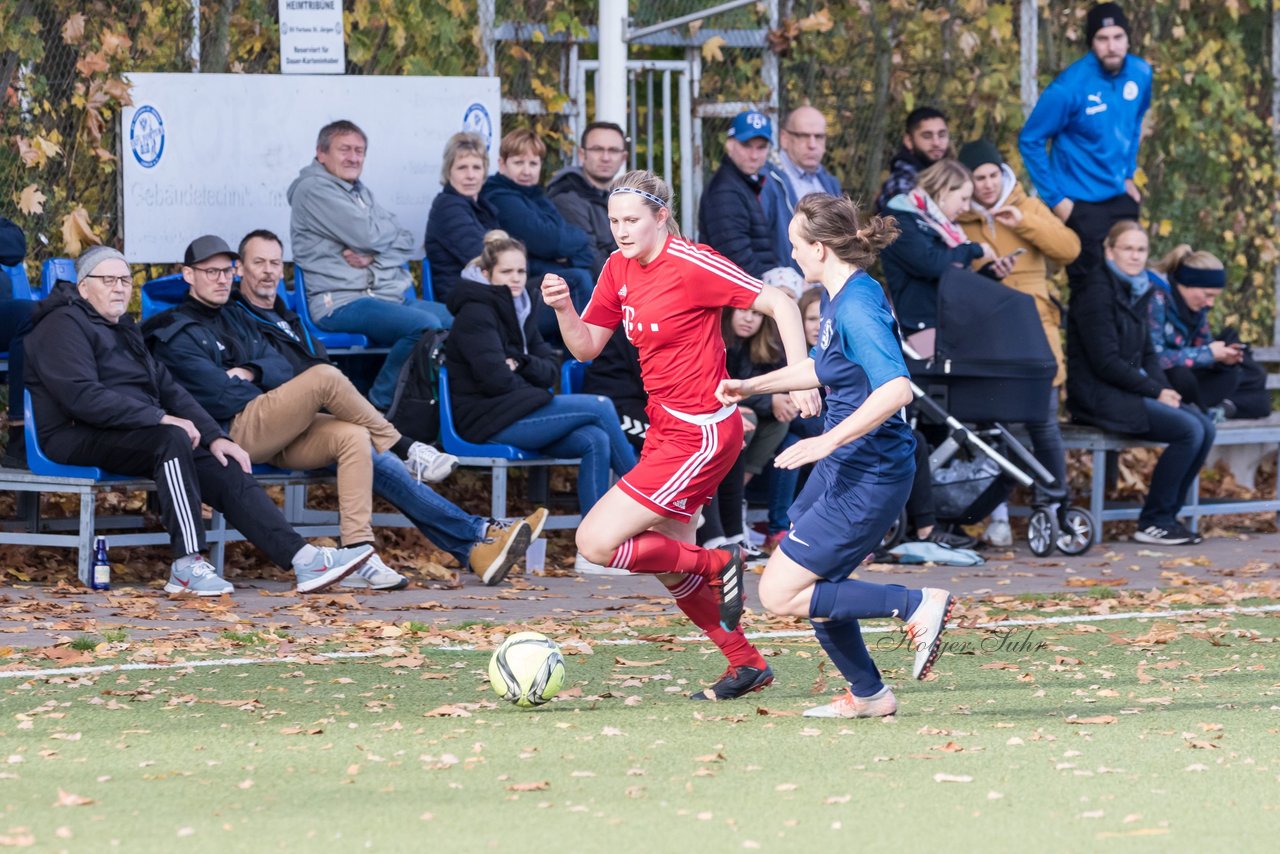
x,y
216,273
814,137
113,281
612,152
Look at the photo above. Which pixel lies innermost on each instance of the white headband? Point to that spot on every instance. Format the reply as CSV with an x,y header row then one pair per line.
x,y
643,194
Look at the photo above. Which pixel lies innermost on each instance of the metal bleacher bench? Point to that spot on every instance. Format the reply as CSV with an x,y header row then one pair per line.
x,y
1260,431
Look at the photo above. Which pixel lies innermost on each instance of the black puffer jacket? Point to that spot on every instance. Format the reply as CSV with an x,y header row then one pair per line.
x,y
486,394
455,235
99,374
1111,364
733,221
913,265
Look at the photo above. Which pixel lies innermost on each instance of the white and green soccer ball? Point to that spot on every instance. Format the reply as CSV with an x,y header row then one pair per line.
x,y
527,669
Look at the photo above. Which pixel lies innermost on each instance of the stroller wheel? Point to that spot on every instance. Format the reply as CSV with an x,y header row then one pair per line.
x,y
1042,532
1076,535
897,532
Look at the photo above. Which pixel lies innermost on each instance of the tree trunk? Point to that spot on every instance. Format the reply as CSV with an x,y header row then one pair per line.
x,y
215,45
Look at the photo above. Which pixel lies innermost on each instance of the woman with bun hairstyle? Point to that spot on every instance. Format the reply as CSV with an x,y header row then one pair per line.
x,y
865,461
1211,372
501,372
667,293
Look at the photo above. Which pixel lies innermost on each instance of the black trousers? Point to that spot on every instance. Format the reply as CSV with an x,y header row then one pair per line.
x,y
184,478
1091,221
920,510
1244,384
722,517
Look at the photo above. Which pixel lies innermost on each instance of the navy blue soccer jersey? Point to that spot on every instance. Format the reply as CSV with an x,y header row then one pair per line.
x,y
857,352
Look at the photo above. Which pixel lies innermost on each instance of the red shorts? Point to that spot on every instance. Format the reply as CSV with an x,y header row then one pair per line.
x,y
682,464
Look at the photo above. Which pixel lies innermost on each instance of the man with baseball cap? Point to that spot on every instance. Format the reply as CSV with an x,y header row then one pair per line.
x,y
1090,120
732,218
293,409
100,399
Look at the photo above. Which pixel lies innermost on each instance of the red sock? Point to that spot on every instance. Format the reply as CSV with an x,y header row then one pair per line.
x,y
654,552
698,601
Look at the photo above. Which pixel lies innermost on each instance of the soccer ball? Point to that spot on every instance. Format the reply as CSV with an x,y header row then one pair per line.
x,y
527,669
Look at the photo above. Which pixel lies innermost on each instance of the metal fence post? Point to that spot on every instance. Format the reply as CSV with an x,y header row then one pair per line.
x,y
1029,44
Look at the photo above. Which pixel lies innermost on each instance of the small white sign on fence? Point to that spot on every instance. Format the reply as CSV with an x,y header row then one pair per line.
x,y
311,37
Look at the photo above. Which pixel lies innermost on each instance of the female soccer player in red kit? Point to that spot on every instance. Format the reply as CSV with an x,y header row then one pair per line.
x,y
668,294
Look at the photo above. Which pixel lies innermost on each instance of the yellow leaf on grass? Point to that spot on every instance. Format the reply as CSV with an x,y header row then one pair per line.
x,y
711,49
66,799
626,662
540,786
31,201
77,232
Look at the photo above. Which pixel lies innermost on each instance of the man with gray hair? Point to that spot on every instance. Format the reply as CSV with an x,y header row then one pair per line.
x,y
100,399
353,251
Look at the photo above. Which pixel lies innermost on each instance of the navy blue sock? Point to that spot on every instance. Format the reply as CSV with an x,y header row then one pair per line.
x,y
843,643
851,599
914,598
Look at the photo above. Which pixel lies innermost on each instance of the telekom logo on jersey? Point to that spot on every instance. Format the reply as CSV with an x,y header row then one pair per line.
x,y
629,323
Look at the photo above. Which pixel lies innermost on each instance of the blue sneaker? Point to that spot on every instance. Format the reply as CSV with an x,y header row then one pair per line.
x,y
198,577
329,567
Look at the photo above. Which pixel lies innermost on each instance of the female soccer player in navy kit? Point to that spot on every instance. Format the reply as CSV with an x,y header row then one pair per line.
x,y
668,294
865,461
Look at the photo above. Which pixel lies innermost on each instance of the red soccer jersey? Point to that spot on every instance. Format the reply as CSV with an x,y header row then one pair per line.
x,y
670,310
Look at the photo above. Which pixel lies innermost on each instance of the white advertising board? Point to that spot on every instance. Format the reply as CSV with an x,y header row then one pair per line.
x,y
311,37
215,153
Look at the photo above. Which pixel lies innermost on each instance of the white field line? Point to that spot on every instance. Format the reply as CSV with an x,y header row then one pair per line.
x,y
1066,619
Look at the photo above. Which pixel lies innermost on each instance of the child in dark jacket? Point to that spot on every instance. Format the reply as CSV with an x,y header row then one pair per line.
x,y
501,371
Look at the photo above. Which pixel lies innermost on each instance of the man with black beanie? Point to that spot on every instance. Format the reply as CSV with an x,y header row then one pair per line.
x,y
1090,120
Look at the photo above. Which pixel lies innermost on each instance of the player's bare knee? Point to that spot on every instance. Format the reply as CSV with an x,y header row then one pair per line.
x,y
593,547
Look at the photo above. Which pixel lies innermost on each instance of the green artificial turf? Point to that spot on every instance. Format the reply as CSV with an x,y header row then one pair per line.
x,y
1133,735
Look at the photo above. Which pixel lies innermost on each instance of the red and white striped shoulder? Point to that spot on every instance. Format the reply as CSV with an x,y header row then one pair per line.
x,y
702,261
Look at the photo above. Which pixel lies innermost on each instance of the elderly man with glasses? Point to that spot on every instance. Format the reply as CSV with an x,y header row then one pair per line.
x,y
100,399
796,169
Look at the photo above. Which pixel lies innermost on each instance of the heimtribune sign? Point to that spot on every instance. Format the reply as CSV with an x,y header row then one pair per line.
x,y
311,37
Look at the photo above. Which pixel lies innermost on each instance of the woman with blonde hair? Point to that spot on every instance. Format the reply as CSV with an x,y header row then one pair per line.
x,y
1115,381
667,293
1214,373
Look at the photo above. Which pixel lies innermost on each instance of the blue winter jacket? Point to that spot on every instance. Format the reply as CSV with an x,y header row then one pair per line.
x,y
455,236
527,214
780,199
1093,120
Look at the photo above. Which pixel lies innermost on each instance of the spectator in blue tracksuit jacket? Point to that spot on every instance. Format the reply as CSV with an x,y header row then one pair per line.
x,y
796,170
1091,117
525,212
733,217
459,218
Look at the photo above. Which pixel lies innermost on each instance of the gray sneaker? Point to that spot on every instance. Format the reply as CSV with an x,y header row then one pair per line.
x,y
375,575
198,577
428,465
330,567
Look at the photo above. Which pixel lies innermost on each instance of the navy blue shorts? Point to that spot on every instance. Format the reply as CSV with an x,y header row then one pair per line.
x,y
839,519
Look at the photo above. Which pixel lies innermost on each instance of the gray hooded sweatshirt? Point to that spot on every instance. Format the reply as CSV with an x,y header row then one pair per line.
x,y
329,215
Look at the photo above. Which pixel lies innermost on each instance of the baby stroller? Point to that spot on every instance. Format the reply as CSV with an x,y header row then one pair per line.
x,y
991,365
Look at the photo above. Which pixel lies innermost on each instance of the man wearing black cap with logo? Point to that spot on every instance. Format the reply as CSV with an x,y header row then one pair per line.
x,y
290,407
731,217
100,399
1090,119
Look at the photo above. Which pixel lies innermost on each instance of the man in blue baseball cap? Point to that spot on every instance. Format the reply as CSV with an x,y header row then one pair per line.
x,y
731,218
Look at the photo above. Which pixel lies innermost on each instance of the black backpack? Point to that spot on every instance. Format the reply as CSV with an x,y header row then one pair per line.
x,y
415,408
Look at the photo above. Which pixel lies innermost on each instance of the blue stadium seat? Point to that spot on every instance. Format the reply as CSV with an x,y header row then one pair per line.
x,y
428,290
163,293
572,373
56,270
460,447
331,340
40,464
21,284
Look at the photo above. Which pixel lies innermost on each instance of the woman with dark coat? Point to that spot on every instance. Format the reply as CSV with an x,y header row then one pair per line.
x,y
930,243
459,219
501,371
1115,382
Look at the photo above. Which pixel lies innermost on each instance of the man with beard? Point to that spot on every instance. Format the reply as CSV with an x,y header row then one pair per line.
x,y
926,141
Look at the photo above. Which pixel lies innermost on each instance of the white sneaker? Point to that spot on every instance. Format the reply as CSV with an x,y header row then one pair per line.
x,y
998,533
375,575
329,566
427,464
847,705
582,566
198,577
